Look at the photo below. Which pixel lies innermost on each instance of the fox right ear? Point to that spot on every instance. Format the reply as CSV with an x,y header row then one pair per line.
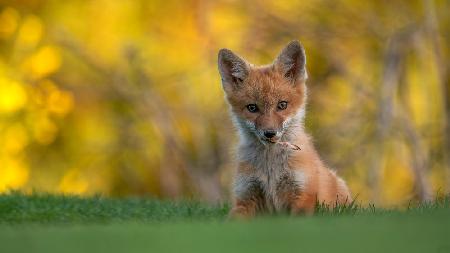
x,y
232,68
291,62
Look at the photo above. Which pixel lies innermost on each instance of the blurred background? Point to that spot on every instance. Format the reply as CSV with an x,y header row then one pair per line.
x,y
124,97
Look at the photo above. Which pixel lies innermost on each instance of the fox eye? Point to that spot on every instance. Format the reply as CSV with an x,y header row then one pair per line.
x,y
252,108
282,105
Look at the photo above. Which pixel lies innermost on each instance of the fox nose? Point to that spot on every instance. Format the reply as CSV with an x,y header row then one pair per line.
x,y
270,133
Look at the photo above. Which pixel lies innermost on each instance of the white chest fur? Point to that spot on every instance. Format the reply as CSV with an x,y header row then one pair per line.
x,y
273,175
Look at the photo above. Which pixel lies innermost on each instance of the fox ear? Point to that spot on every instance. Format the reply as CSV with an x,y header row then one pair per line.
x,y
232,68
292,62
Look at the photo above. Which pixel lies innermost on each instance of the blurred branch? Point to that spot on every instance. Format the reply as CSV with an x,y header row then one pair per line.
x,y
419,161
394,61
388,87
432,29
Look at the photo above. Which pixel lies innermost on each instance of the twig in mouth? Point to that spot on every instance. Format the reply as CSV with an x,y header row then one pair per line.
x,y
287,145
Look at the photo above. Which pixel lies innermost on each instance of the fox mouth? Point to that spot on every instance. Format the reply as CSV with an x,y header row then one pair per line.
x,y
285,144
269,140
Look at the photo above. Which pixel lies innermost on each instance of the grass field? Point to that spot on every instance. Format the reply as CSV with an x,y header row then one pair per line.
x,y
47,223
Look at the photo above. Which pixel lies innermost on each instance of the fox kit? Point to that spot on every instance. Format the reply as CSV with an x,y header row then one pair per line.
x,y
278,168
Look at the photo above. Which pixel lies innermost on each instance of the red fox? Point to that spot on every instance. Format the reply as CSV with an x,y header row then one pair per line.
x,y
278,169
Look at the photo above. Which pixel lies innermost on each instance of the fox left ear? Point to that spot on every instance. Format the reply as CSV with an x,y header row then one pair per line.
x,y
292,62
233,69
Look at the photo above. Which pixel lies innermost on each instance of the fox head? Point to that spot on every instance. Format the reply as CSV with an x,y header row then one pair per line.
x,y
266,101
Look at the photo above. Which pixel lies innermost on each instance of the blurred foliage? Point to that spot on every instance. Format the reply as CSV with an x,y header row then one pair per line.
x,y
123,97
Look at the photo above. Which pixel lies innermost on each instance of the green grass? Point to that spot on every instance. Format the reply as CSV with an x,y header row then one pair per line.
x,y
48,223
16,208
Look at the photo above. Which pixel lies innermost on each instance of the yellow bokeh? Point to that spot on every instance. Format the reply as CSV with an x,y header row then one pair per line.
x,y
423,86
45,61
45,130
397,177
72,182
339,88
13,96
14,174
225,21
60,102
9,19
30,32
15,138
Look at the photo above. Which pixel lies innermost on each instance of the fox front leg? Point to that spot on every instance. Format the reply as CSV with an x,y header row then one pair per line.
x,y
249,198
244,209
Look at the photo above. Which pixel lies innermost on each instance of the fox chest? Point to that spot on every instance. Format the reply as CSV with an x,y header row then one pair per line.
x,y
274,184
279,188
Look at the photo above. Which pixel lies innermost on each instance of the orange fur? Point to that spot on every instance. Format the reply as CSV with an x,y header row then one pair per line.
x,y
274,178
